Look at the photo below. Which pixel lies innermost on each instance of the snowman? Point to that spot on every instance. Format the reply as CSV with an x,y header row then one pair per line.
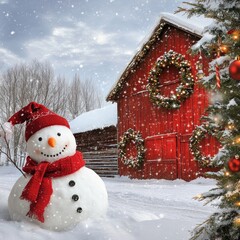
x,y
57,191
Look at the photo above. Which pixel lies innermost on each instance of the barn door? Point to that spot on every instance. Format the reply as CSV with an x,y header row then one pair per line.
x,y
187,166
161,156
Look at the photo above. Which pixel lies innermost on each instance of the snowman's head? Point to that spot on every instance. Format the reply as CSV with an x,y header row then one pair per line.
x,y
51,143
47,134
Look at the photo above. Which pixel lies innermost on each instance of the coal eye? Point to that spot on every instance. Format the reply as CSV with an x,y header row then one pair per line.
x,y
59,134
40,139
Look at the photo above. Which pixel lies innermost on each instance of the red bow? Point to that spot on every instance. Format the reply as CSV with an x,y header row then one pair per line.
x,y
39,188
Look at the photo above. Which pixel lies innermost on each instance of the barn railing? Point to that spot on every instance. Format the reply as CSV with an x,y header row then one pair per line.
x,y
99,148
103,163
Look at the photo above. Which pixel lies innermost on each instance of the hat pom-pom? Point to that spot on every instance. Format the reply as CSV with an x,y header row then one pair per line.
x,y
6,131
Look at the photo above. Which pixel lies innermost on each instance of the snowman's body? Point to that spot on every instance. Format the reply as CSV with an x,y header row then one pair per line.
x,y
75,197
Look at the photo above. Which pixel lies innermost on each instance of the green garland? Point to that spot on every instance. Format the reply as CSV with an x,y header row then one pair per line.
x,y
136,138
197,136
183,91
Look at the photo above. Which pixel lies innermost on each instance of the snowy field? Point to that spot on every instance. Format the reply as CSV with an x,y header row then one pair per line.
x,y
138,209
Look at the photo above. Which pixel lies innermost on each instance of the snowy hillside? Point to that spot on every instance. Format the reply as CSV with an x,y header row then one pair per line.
x,y
139,209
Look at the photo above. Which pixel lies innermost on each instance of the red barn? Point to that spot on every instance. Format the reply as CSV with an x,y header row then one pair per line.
x,y
148,109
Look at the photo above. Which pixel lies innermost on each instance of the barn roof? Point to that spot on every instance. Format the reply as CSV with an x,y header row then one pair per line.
x,y
195,26
98,118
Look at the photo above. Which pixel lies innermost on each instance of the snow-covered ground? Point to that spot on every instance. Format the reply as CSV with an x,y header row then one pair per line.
x,y
138,209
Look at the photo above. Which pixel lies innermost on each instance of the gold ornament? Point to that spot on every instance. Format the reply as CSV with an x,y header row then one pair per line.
x,y
227,174
224,48
237,204
236,221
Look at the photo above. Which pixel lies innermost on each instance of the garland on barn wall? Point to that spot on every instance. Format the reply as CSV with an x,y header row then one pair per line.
x,y
183,91
197,136
136,138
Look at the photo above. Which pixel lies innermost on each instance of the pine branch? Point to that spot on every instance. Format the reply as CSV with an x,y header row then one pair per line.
x,y
211,195
181,9
196,9
199,230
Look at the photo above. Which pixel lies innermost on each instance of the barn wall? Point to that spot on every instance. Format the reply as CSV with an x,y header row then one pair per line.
x,y
166,132
99,148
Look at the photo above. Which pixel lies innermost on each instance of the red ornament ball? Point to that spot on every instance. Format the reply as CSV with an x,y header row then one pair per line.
x,y
234,70
234,165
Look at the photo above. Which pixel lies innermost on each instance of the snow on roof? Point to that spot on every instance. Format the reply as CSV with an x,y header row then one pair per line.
x,y
195,25
98,118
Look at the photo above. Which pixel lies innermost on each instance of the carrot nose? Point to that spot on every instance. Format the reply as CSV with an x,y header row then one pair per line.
x,y
52,142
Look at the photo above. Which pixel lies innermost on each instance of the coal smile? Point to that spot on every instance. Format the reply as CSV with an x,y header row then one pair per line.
x,y
56,154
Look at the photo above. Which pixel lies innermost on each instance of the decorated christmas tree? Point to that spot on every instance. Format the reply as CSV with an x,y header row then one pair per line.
x,y
221,43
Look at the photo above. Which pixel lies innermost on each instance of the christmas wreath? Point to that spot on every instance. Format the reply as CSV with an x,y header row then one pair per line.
x,y
135,137
182,92
197,136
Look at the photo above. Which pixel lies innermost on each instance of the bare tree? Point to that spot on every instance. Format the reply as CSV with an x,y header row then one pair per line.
x,y
90,95
9,98
83,96
20,85
24,83
75,103
59,101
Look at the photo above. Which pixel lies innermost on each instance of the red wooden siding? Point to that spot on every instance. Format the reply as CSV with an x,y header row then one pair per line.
x,y
166,132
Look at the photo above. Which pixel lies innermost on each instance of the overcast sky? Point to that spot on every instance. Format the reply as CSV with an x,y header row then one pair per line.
x,y
95,38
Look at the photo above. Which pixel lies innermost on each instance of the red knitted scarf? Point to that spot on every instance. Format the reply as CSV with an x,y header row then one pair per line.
x,y
39,188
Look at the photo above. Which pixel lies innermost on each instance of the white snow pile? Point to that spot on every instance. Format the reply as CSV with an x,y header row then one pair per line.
x,y
98,118
231,103
138,210
195,24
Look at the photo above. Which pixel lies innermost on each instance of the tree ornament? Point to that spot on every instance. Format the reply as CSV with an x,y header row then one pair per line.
x,y
237,204
135,137
217,69
235,33
224,48
236,221
230,126
234,69
183,91
234,165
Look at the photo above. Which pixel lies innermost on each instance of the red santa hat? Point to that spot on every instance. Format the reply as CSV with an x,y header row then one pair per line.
x,y
36,116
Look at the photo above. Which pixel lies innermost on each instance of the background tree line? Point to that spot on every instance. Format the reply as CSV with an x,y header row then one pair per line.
x,y
37,82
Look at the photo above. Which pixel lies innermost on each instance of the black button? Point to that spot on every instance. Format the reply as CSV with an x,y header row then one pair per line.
x,y
79,210
71,183
75,197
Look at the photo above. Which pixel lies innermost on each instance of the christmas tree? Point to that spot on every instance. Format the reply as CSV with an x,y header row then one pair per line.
x,y
221,43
